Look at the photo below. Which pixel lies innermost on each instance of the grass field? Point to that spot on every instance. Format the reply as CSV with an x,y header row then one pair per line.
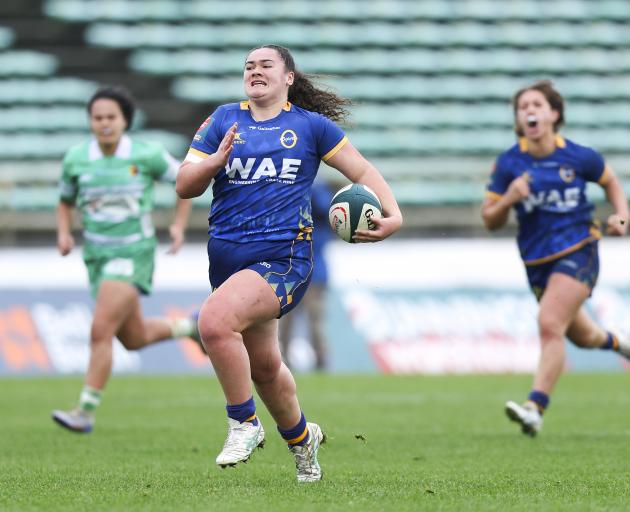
x,y
395,443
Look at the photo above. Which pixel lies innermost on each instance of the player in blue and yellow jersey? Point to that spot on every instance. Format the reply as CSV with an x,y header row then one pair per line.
x,y
543,177
261,157
110,181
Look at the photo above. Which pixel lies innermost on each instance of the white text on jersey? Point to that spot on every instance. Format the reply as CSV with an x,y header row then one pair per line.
x,y
553,198
265,168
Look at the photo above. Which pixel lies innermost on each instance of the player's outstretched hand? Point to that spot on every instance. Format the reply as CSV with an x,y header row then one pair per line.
x,y
518,189
617,225
177,238
222,153
65,243
384,227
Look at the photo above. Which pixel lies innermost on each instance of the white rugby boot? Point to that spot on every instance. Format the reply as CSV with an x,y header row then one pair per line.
x,y
242,440
77,420
527,415
308,469
624,343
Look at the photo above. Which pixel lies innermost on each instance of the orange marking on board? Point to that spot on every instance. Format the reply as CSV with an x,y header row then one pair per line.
x,y
20,346
192,352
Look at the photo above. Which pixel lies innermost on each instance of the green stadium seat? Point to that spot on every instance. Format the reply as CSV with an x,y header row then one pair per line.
x,y
406,88
602,33
430,79
598,114
54,145
46,90
26,63
490,10
37,118
37,197
7,37
345,34
134,10
401,61
432,115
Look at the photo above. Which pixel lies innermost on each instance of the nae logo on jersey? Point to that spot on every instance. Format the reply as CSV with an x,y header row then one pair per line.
x,y
562,201
288,139
254,169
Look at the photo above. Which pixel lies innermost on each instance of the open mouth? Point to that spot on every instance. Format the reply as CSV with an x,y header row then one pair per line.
x,y
258,82
532,122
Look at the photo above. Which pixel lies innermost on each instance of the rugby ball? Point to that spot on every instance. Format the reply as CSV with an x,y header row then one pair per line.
x,y
352,208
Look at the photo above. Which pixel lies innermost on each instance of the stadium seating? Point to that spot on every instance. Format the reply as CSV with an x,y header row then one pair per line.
x,y
431,81
305,10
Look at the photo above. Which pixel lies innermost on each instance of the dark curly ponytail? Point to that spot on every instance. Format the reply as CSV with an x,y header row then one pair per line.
x,y
305,94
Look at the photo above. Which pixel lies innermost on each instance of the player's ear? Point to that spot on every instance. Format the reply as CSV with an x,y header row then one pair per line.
x,y
290,78
555,115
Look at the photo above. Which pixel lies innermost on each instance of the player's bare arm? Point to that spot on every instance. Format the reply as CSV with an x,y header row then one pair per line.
x,y
495,212
65,240
177,230
617,224
357,169
194,178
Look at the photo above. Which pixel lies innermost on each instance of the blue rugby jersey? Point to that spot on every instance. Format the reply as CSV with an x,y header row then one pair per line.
x,y
264,192
556,218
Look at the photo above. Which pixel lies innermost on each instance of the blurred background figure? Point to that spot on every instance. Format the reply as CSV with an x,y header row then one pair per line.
x,y
543,177
314,301
109,179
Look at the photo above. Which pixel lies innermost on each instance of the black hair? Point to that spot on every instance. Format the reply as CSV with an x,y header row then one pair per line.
x,y
554,98
304,93
120,95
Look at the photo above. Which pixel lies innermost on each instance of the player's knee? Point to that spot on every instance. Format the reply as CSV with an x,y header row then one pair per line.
x,y
132,343
550,329
100,333
213,333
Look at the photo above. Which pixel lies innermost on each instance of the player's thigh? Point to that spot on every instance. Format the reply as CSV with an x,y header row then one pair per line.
x,y
561,301
114,302
243,300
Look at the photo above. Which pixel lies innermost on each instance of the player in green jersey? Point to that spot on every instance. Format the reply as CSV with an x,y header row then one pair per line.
x,y
110,181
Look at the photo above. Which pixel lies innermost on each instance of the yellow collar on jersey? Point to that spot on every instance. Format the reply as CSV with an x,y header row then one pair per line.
x,y
523,146
245,105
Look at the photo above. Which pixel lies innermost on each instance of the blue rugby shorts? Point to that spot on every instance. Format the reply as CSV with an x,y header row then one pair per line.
x,y
286,265
582,264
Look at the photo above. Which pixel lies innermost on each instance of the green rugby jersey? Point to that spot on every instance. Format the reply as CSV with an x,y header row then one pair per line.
x,y
115,193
